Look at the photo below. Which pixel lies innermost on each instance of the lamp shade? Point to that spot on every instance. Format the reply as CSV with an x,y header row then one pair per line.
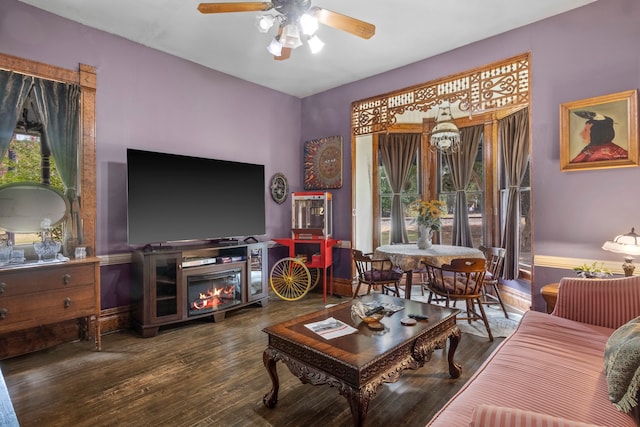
x,y
315,44
290,37
265,22
309,24
275,47
445,135
628,244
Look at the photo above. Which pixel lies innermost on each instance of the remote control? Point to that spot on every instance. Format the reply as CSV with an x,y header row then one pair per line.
x,y
419,317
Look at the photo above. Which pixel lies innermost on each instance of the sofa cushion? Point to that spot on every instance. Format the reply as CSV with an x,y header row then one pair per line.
x,y
497,416
622,365
448,285
376,274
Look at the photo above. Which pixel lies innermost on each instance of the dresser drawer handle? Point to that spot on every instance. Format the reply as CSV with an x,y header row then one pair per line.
x,y
67,302
3,286
66,278
3,313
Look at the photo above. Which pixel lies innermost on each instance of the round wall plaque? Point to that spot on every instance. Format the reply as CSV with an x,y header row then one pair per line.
x,y
279,188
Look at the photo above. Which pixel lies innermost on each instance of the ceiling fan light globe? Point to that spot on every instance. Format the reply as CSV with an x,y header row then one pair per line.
x,y
308,24
290,37
315,44
275,47
265,22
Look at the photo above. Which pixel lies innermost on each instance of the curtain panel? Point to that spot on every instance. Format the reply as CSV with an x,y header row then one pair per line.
x,y
461,167
58,106
14,89
398,152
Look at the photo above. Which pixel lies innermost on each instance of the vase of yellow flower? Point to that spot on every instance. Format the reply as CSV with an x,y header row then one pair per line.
x,y
429,214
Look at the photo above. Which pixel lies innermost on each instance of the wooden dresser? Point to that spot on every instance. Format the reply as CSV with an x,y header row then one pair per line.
x,y
33,295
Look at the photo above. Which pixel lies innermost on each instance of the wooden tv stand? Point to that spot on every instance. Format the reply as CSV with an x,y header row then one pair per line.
x,y
167,282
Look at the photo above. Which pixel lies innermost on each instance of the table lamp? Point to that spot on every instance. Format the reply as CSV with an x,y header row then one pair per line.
x,y
628,244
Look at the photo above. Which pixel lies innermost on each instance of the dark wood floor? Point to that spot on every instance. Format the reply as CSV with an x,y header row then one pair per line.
x,y
204,373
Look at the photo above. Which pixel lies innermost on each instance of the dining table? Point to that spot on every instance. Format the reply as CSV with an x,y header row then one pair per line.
x,y
408,257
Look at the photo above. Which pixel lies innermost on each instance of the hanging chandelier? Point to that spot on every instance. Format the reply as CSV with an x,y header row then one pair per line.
x,y
445,135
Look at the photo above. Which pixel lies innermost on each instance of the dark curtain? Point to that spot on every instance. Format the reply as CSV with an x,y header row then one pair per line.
x,y
14,89
58,106
397,152
514,135
461,167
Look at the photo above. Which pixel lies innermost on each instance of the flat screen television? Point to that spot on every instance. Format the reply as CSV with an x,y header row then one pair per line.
x,y
172,198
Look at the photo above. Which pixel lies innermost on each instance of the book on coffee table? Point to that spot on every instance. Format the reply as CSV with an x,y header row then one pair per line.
x,y
331,328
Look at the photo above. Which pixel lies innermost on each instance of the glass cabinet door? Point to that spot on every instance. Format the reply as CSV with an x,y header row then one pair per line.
x,y
257,271
164,287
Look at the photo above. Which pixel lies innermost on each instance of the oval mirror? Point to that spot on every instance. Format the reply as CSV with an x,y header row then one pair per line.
x,y
24,205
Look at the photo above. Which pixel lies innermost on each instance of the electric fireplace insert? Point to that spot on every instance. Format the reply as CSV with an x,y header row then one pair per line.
x,y
211,291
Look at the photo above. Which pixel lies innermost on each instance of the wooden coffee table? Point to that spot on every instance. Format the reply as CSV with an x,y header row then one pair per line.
x,y
358,363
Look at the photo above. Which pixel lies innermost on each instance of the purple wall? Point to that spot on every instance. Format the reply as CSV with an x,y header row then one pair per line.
x,y
588,52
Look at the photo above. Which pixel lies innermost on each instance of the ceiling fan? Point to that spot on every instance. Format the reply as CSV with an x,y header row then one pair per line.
x,y
297,20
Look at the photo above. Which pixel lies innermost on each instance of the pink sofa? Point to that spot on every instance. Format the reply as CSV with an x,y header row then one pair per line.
x,y
551,369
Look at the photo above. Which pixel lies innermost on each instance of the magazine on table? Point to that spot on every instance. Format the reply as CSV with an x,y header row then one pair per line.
x,y
331,328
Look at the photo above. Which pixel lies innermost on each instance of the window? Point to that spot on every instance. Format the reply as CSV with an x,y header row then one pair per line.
x,y
526,256
85,77
486,193
482,96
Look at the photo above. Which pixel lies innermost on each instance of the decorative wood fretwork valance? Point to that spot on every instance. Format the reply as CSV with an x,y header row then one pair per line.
x,y
490,87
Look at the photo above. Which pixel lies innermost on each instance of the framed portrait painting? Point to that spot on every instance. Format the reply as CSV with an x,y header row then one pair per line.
x,y
600,132
323,163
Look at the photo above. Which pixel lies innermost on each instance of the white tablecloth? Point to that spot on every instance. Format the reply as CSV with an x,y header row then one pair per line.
x,y
408,256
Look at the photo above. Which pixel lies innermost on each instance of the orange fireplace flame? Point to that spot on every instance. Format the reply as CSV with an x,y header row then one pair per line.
x,y
212,298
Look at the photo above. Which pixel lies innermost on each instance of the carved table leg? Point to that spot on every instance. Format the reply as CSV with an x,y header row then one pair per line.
x,y
454,369
359,404
271,398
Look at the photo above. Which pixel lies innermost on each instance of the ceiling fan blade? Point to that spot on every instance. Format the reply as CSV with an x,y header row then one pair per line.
x,y
234,7
343,22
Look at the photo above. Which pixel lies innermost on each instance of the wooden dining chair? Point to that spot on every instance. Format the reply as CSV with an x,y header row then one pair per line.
x,y
461,280
376,272
490,288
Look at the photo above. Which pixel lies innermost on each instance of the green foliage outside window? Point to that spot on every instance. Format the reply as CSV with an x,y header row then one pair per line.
x,y
25,165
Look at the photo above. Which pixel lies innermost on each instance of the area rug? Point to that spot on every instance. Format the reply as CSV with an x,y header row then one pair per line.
x,y
500,326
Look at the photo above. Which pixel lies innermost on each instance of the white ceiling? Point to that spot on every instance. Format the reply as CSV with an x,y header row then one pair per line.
x,y
406,31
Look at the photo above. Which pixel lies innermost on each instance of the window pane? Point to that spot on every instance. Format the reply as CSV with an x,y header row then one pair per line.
x,y
526,258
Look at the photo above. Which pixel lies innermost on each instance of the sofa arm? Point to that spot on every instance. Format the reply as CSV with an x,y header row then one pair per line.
x,y
601,302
